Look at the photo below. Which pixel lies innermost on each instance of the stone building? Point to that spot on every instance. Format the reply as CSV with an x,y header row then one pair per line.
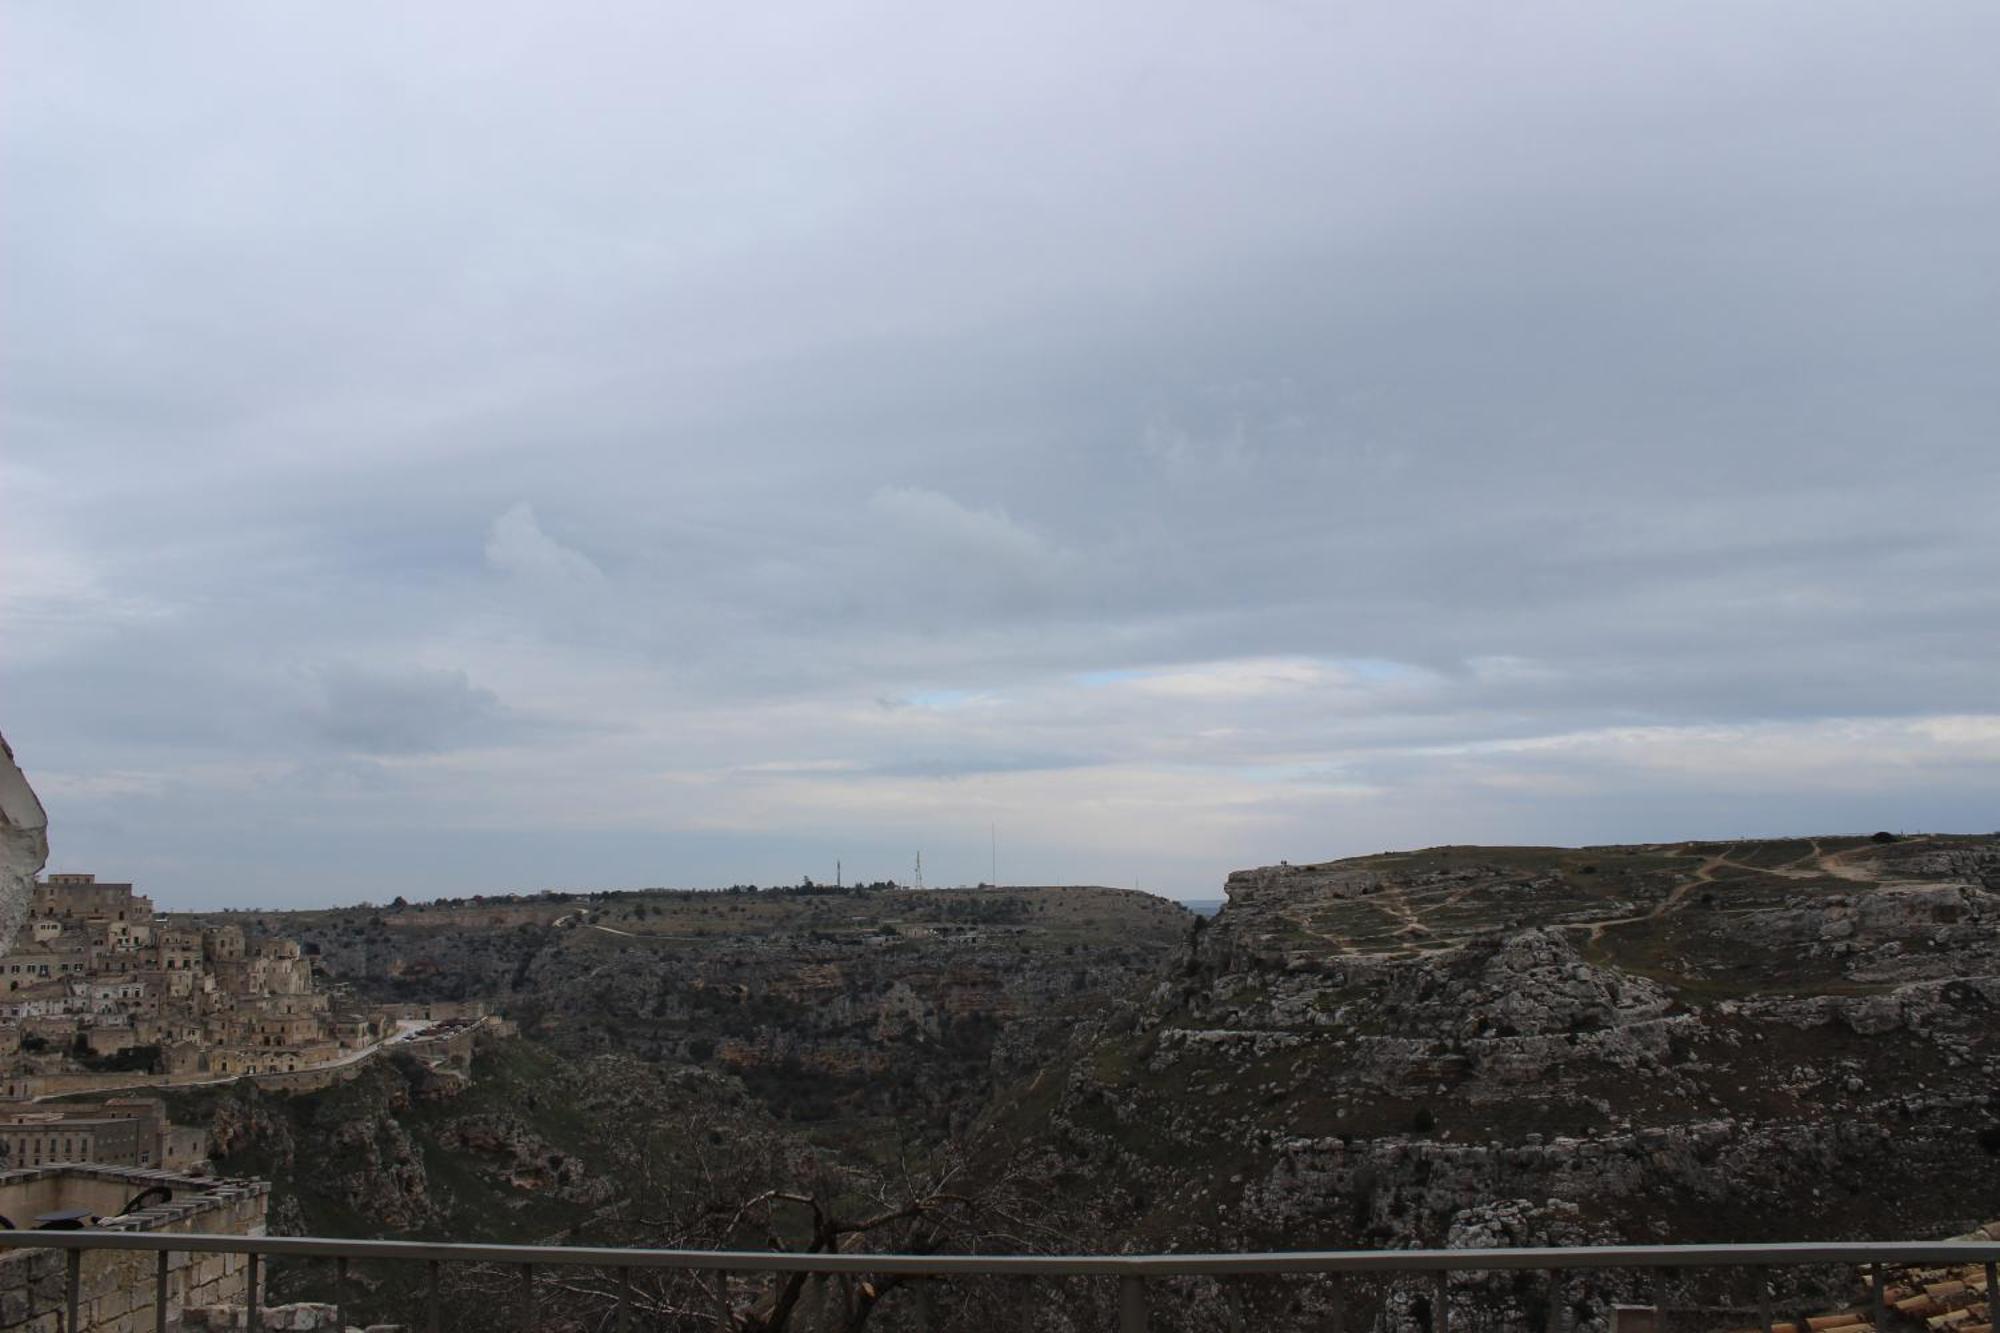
x,y
131,1131
118,1286
82,897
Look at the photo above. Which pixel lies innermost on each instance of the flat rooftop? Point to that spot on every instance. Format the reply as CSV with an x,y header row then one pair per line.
x,y
103,1192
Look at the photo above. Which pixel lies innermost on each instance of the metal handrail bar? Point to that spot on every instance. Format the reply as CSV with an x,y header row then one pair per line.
x,y
1072,1265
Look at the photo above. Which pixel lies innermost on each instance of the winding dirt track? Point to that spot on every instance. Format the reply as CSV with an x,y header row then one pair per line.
x,y
1703,874
1836,865
1815,863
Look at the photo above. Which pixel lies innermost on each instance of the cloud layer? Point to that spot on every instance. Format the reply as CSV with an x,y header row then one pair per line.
x,y
491,447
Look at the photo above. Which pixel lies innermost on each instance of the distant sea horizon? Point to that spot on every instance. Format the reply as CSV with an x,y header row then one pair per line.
x,y
1203,906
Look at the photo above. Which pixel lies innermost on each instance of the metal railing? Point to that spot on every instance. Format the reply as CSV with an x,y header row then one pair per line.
x,y
1132,1271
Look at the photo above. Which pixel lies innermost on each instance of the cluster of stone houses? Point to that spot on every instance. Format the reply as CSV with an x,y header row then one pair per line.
x,y
94,973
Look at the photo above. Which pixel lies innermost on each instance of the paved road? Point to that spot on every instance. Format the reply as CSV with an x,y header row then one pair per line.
x,y
405,1029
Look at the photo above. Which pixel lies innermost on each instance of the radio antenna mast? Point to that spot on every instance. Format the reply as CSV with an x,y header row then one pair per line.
x,y
918,883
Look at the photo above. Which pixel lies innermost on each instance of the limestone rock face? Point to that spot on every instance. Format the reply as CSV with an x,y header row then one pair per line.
x,y
829,1004
1695,1042
24,842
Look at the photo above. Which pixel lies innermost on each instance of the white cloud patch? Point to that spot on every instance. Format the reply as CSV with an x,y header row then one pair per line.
x,y
516,545
56,598
1826,754
939,527
1256,678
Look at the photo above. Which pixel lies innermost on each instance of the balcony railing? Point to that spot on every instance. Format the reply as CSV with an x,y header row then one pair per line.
x,y
1131,1272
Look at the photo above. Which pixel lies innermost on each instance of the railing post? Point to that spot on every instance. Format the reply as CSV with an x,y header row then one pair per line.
x,y
1336,1313
531,1314
434,1301
624,1300
160,1295
340,1292
1878,1296
1992,1288
253,1300
1131,1304
1558,1302
724,1317
73,1288
1441,1301
1764,1299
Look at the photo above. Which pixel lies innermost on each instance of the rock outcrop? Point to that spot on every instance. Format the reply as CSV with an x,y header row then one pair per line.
x,y
830,1005
24,842
1697,1042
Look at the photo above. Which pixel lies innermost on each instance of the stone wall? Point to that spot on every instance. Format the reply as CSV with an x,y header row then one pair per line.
x,y
117,1287
313,1080
454,1047
437,1011
307,1317
183,1147
29,1087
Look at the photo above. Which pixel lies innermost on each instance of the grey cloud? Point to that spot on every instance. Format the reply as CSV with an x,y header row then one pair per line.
x,y
943,526
345,775
381,712
970,763
694,379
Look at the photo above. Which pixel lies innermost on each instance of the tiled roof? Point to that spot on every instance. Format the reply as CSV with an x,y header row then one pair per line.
x,y
1948,1298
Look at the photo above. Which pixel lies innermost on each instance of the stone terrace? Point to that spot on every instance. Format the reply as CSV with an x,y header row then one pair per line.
x,y
118,1286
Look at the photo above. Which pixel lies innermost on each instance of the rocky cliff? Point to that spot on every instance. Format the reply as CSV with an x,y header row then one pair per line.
x,y
1460,1047
829,1005
1688,1042
24,842
527,1147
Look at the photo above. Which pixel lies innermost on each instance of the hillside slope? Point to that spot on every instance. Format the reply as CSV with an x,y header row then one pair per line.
x,y
878,1010
1688,1042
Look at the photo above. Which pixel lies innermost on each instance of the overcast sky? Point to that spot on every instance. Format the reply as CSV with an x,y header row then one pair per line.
x,y
464,447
